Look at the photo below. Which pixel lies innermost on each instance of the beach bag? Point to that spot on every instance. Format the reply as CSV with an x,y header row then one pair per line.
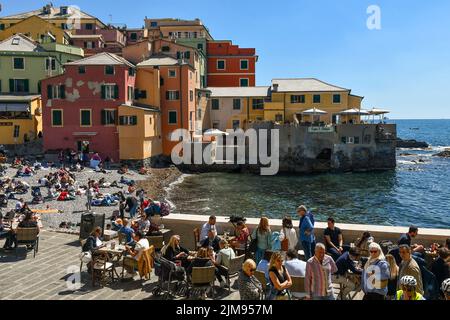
x,y
165,209
285,242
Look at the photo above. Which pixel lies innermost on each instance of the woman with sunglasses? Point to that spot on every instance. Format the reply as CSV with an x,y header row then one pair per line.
x,y
249,287
280,280
376,274
409,289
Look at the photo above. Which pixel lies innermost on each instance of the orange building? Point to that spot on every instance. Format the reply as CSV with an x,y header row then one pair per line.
x,y
231,66
178,96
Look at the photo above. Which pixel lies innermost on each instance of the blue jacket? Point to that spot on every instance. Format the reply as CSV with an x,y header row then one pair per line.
x,y
383,273
306,225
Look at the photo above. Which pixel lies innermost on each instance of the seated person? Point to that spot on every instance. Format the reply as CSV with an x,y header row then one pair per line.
x,y
141,245
207,227
348,275
123,170
116,225
417,250
223,258
263,265
408,289
201,260
143,224
93,242
128,182
447,243
28,222
174,252
333,240
3,232
295,267
212,241
249,286
242,234
441,266
362,244
127,231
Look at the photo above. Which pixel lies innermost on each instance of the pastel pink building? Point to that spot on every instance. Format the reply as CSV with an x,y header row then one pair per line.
x,y
80,107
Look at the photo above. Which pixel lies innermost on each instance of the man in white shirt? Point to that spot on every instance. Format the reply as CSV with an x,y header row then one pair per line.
x,y
142,244
295,267
207,227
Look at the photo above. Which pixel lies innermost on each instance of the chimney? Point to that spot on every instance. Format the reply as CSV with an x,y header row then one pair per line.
x,y
275,87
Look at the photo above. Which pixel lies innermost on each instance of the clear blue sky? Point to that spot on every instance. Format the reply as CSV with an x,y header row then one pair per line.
x,y
404,67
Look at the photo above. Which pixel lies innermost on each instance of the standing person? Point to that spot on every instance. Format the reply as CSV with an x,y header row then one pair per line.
x,y
362,244
263,236
249,287
393,279
132,204
319,270
348,275
408,289
89,196
306,230
288,234
441,266
333,239
280,280
409,267
376,274
107,163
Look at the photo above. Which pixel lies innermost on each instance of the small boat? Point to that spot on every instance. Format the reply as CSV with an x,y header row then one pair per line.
x,y
414,128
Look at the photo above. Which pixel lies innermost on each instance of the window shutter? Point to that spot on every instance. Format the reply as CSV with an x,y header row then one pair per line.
x,y
178,55
103,116
167,95
11,85
178,95
47,63
121,121
85,44
116,92
143,94
137,94
187,54
26,83
134,120
103,92
116,117
62,89
49,92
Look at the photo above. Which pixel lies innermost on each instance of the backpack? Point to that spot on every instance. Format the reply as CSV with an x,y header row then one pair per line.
x,y
276,243
165,209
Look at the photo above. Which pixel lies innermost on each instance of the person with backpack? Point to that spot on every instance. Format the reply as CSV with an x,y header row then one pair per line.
x,y
306,232
288,236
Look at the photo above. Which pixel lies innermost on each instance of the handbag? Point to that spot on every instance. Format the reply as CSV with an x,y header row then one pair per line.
x,y
86,257
253,244
285,242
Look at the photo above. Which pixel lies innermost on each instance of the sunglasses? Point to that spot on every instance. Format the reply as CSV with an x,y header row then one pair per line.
x,y
373,251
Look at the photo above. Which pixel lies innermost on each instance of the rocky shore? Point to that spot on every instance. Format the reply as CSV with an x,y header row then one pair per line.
x,y
443,154
411,144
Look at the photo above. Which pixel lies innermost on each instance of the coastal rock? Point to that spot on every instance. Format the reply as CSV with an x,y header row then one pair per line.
x,y
411,144
443,154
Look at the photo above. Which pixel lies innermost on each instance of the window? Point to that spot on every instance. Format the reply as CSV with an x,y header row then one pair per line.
x,y
82,70
244,64
236,124
165,49
131,72
133,36
316,98
172,95
191,95
195,34
19,63
220,64
56,92
128,120
19,85
110,92
16,131
130,93
236,104
172,73
143,94
50,63
64,10
356,140
216,124
278,117
243,82
344,140
187,34
298,99
258,104
2,26
57,118
153,24
215,104
199,114
336,98
16,41
172,117
200,46
108,117
85,118
109,70
64,26
89,26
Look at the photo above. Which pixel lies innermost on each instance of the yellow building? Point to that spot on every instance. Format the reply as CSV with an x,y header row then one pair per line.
x,y
140,123
37,29
291,97
20,118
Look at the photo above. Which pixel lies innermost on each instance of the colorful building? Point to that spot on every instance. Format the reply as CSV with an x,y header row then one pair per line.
x,y
24,63
231,66
20,118
236,107
178,96
81,106
291,97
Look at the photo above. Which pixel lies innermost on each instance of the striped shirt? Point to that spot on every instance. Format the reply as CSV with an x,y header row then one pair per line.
x,y
318,277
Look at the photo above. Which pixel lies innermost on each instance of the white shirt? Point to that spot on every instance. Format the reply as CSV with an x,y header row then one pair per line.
x,y
140,247
291,235
296,267
225,256
205,229
98,242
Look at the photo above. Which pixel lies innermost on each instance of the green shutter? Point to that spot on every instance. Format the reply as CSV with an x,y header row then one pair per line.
x,y
103,117
26,83
103,92
11,85
178,95
63,91
116,92
116,117
137,94
121,121
187,54
49,92
178,55
167,95
134,120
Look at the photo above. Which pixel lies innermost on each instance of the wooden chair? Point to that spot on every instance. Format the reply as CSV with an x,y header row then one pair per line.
x,y
156,241
101,269
29,237
235,267
122,238
298,285
202,279
261,276
197,243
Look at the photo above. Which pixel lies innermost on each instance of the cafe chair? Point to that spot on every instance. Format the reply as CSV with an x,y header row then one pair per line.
x,y
101,269
202,279
262,278
156,241
298,285
122,238
234,269
28,237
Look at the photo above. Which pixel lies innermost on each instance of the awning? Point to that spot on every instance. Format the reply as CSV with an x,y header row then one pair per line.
x,y
14,107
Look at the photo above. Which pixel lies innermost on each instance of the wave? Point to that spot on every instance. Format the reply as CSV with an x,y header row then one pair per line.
x,y
169,189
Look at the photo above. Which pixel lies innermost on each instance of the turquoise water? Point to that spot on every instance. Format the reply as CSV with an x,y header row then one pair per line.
x,y
415,193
